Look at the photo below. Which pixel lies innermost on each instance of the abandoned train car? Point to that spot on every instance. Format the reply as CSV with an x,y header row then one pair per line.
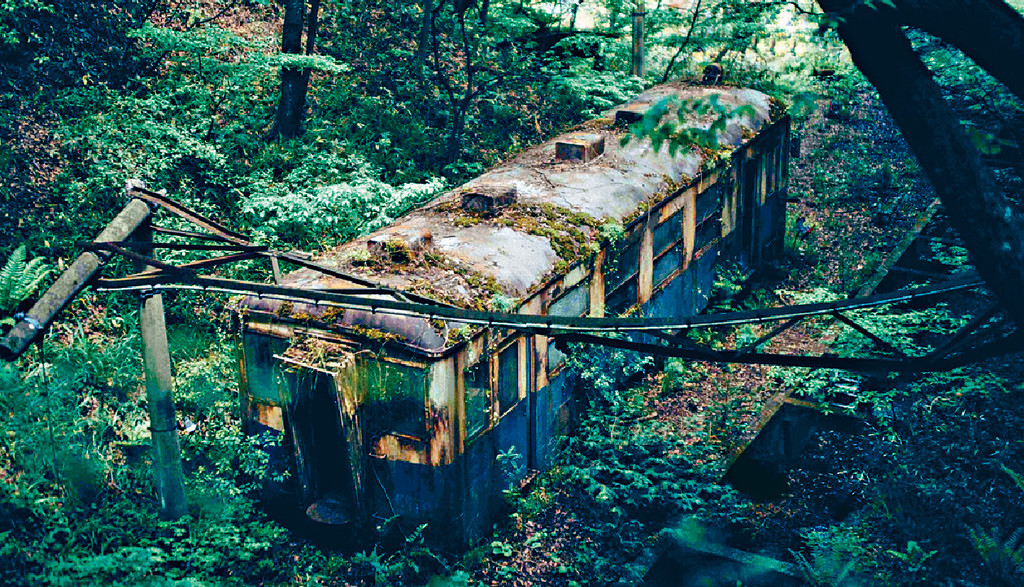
x,y
387,415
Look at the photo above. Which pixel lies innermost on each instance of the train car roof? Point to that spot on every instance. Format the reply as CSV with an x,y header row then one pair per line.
x,y
549,217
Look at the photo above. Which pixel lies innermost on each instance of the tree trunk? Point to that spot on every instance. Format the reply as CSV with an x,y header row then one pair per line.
x,y
292,105
686,41
637,68
989,31
990,226
420,58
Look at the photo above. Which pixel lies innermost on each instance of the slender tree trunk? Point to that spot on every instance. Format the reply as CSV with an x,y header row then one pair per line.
x,y
292,104
990,225
485,5
638,38
420,58
682,46
312,25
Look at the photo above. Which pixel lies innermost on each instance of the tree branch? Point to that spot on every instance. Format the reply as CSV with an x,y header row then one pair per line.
x,y
992,229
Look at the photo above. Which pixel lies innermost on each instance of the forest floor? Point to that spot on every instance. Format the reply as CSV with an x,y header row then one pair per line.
x,y
869,503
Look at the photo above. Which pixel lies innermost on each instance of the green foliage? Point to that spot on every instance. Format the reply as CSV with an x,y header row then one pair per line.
x,y
411,564
833,554
19,279
1003,558
683,133
332,214
605,370
13,13
588,92
914,557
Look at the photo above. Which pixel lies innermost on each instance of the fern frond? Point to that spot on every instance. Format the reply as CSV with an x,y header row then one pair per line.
x,y
9,274
20,279
1018,479
1004,558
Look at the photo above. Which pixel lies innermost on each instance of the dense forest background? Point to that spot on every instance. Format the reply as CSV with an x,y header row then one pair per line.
x,y
397,102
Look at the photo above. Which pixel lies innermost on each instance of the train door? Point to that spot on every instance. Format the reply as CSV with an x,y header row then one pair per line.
x,y
322,453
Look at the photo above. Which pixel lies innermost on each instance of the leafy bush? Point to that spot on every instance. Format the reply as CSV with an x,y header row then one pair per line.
x,y
333,214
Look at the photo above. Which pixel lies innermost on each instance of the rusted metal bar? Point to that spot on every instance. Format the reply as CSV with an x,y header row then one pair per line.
x,y
955,341
139,259
897,253
176,246
874,337
1010,343
71,282
539,323
187,214
188,234
814,362
770,335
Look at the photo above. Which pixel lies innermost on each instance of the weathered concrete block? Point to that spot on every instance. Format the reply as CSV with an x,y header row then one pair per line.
x,y
488,200
630,113
582,147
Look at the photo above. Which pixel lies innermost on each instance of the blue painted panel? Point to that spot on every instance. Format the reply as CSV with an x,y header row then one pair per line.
x,y
667,233
621,299
512,433
575,302
667,264
705,278
707,232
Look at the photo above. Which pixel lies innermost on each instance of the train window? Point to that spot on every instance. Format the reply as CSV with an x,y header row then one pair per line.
x,y
667,264
555,355
624,261
478,397
508,377
260,366
575,302
667,233
706,233
397,395
709,201
621,299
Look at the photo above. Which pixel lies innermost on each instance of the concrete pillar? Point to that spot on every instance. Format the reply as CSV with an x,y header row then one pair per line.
x,y
163,425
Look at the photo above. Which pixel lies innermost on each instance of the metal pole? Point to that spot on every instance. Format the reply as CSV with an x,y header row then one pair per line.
x,y
638,38
156,360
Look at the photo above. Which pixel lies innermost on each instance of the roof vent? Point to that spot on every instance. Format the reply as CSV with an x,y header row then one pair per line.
x,y
631,113
580,147
400,247
489,200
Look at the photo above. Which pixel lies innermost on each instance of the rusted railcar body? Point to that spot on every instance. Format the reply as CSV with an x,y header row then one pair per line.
x,y
388,415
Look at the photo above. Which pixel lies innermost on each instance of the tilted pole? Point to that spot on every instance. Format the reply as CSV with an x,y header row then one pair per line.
x,y
30,326
163,425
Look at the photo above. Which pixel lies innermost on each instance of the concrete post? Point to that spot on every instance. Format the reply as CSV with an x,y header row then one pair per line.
x,y
156,360
71,282
639,11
